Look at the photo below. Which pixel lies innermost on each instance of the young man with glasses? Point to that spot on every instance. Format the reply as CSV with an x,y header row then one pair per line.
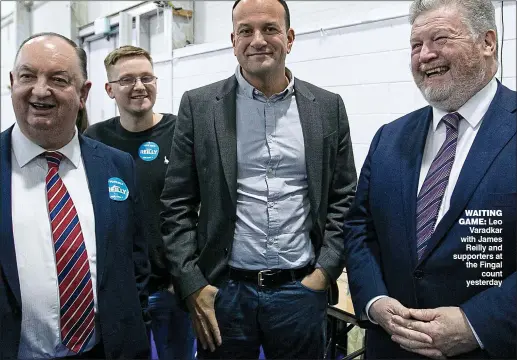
x,y
147,136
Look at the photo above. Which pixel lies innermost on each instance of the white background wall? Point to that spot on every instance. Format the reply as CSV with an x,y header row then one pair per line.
x,y
98,9
45,17
7,54
362,53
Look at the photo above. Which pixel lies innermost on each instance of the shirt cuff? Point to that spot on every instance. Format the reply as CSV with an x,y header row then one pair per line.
x,y
367,308
474,332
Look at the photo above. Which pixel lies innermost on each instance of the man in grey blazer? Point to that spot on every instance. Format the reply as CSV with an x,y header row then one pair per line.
x,y
261,175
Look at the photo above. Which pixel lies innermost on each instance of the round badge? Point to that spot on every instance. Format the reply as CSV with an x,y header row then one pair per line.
x,y
148,151
117,189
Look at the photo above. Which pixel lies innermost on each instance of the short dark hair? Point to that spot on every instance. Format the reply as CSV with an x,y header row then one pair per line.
x,y
286,9
81,54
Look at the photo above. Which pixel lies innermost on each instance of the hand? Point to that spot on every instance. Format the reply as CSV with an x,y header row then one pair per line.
x,y
202,311
170,289
447,326
385,310
318,280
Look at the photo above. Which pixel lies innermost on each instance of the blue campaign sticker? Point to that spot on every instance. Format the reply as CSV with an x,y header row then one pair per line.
x,y
148,151
117,189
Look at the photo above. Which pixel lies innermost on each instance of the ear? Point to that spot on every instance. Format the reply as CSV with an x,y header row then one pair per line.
x,y
290,39
232,38
109,90
85,90
490,43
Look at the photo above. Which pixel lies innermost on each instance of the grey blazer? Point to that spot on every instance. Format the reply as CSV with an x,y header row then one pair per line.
x,y
200,191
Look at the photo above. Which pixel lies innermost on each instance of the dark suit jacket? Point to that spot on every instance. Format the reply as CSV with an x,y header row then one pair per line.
x,y
380,234
118,240
203,170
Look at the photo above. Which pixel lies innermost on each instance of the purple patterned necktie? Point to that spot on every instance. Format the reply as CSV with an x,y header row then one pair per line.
x,y
430,197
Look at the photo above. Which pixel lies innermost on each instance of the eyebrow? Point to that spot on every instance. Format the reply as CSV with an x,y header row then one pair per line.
x,y
248,25
25,67
144,73
31,69
61,72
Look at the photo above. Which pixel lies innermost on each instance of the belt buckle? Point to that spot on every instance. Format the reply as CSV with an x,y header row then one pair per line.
x,y
261,278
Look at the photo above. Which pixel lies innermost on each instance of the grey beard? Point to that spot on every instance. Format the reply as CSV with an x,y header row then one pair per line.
x,y
452,96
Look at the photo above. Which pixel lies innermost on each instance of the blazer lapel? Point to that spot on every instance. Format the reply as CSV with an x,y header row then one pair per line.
x,y
96,170
312,129
497,129
7,250
226,133
412,152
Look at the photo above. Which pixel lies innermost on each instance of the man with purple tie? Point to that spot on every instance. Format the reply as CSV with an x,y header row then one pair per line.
x,y
430,240
73,263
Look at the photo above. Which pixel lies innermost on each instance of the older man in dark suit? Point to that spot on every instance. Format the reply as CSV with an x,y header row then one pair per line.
x,y
71,241
267,160
436,190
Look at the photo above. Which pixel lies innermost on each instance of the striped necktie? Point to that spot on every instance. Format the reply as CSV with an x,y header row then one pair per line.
x,y
430,196
73,270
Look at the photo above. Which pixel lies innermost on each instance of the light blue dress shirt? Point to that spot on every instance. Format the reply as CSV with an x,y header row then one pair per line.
x,y
273,210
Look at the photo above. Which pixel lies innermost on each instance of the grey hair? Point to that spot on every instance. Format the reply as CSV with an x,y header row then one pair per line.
x,y
477,15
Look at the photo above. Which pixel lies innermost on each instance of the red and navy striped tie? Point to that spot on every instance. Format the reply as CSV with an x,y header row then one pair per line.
x,y
430,196
73,270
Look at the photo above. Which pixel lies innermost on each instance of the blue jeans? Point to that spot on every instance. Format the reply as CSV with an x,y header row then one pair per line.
x,y
288,321
171,327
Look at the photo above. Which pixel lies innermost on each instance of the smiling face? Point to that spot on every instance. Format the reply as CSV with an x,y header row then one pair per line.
x,y
448,64
48,90
260,38
138,99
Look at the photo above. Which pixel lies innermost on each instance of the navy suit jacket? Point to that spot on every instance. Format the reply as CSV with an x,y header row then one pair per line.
x,y
118,239
380,234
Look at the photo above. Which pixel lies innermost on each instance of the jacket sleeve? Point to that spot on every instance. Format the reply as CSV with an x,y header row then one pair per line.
x,y
493,316
340,196
180,203
360,241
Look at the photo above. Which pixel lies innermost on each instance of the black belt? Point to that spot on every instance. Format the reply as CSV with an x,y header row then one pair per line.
x,y
268,278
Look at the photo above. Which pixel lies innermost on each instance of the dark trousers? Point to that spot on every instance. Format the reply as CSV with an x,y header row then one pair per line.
x,y
288,321
171,326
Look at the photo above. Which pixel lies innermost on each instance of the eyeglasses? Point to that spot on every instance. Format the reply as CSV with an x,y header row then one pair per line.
x,y
131,81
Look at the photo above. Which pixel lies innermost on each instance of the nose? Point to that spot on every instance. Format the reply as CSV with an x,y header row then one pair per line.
x,y
427,53
139,84
258,40
41,88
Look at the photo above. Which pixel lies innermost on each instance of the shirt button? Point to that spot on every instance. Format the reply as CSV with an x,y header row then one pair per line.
x,y
419,274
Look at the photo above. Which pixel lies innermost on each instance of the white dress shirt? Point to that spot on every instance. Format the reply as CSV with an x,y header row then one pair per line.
x,y
472,113
35,257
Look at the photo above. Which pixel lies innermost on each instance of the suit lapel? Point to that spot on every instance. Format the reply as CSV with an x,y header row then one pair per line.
x,y
7,250
312,129
226,133
497,129
413,149
96,170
